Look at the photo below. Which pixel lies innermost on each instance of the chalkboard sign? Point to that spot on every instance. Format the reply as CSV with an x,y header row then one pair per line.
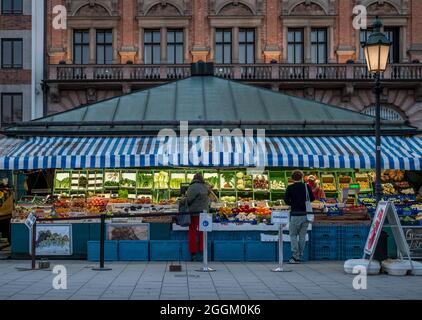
x,y
414,239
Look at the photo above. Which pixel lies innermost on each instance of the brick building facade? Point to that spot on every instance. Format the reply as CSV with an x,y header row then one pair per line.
x,y
15,68
304,48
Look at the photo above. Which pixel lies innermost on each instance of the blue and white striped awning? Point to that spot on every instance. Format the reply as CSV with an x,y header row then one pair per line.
x,y
134,152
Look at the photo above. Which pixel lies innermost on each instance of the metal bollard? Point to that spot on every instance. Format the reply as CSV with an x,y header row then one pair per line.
x,y
102,245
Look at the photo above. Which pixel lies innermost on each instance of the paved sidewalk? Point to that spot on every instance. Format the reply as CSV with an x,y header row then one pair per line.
x,y
233,281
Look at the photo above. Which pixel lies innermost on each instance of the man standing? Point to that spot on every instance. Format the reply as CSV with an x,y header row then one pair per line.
x,y
296,196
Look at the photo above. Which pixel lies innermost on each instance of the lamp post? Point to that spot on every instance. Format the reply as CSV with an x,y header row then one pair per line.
x,y
377,50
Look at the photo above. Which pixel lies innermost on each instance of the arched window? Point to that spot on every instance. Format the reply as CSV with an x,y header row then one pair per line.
x,y
387,113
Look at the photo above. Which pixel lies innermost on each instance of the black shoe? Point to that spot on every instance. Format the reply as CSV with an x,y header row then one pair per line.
x,y
193,257
294,261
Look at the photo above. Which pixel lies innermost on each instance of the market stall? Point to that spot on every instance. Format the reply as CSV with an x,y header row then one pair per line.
x,y
108,158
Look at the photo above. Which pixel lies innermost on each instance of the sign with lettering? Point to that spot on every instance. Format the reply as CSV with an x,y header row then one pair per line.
x,y
386,211
376,228
280,217
414,240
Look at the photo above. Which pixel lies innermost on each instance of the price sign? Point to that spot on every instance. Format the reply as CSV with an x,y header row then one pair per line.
x,y
30,221
280,217
205,222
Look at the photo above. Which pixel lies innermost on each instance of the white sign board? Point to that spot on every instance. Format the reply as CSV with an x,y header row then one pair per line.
x,y
280,217
30,221
386,210
205,222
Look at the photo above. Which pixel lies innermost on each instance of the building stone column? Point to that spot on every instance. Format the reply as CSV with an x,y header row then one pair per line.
x,y
235,44
258,50
186,44
307,44
92,46
141,46
163,38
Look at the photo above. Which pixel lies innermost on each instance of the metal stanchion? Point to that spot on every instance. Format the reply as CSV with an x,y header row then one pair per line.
x,y
280,251
102,245
205,225
33,235
33,245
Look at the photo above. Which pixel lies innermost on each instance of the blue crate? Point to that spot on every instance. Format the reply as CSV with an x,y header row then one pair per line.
x,y
178,235
325,251
133,250
186,256
165,250
232,250
325,233
287,252
110,250
260,251
355,232
352,251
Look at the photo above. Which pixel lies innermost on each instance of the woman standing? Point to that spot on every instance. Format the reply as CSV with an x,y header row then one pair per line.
x,y
198,201
316,188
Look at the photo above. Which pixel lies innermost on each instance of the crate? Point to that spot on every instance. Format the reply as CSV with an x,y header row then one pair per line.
x,y
133,250
327,251
352,251
178,235
165,250
287,252
110,250
329,233
232,250
260,251
355,232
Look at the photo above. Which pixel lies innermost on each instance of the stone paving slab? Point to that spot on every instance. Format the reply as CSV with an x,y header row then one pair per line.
x,y
231,281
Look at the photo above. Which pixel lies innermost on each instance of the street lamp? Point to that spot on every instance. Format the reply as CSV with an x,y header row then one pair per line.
x,y
377,50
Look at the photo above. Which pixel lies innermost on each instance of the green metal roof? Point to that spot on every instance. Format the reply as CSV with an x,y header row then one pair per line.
x,y
203,98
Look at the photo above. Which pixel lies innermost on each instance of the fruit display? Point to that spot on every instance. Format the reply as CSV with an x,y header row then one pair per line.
x,y
212,180
392,175
143,200
62,184
388,189
128,183
161,180
364,185
243,181
344,181
277,185
5,193
402,185
144,180
228,199
243,213
407,191
227,180
111,184
260,182
329,187
175,183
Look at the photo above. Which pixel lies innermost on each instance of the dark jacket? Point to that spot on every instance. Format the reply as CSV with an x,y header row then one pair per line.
x,y
296,197
197,196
